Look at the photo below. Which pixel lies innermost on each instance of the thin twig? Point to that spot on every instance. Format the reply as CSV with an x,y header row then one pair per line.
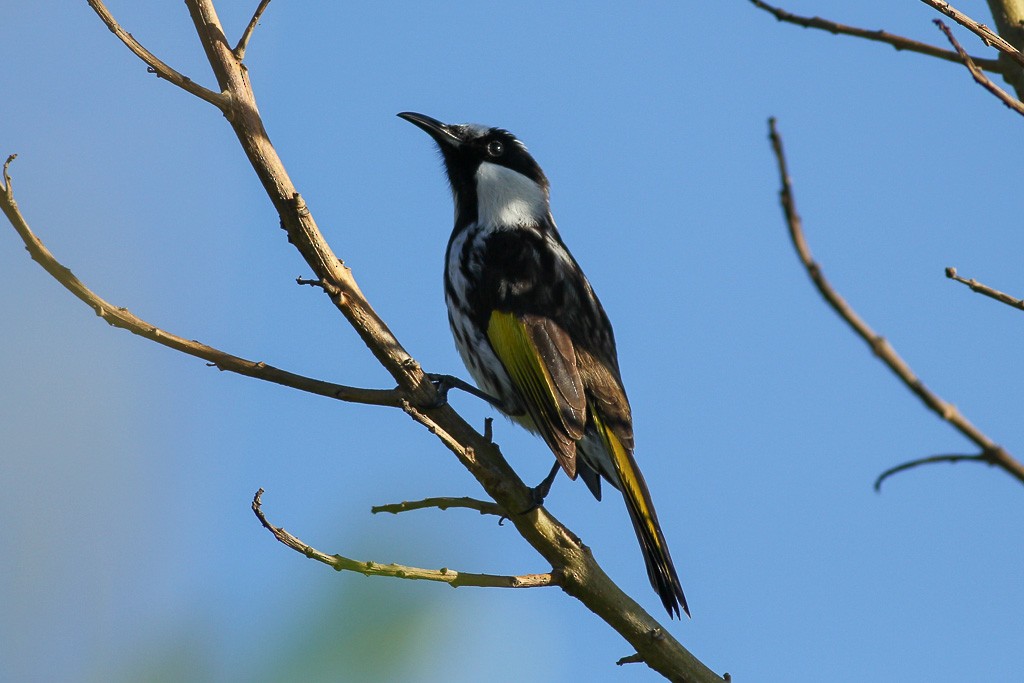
x,y
986,290
987,35
953,457
309,282
453,578
243,42
121,317
879,345
897,41
979,76
482,506
155,64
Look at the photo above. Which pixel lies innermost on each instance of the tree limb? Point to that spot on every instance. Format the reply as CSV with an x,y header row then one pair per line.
x,y
987,35
453,578
879,345
243,42
898,42
986,290
979,76
482,506
156,66
122,318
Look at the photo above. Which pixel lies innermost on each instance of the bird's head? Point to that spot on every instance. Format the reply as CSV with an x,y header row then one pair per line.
x,y
493,177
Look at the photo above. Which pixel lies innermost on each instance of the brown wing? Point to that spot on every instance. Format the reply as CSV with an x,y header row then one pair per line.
x,y
541,361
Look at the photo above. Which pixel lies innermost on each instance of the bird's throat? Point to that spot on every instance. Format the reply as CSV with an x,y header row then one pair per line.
x,y
506,198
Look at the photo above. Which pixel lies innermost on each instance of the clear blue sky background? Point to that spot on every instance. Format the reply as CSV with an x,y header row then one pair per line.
x,y
127,549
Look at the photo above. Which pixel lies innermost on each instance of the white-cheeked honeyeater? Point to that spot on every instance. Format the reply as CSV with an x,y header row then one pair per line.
x,y
531,330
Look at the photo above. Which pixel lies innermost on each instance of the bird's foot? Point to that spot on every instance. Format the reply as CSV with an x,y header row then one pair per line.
x,y
445,383
539,492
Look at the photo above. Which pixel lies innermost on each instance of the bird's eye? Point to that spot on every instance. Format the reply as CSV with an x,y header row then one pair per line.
x,y
495,148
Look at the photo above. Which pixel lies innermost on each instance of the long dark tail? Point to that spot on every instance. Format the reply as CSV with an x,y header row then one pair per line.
x,y
660,569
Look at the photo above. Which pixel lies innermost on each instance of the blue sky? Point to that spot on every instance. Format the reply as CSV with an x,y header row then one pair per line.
x,y
128,549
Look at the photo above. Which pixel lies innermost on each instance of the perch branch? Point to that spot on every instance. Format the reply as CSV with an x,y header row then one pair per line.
x,y
986,290
979,75
482,506
579,574
879,345
243,42
987,35
453,578
898,42
156,66
122,318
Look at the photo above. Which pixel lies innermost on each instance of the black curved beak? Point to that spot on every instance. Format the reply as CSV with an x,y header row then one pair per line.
x,y
441,132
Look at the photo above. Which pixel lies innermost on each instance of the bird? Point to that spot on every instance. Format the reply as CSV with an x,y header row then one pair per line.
x,y
532,332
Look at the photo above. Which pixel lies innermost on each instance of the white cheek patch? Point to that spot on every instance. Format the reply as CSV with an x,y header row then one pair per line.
x,y
508,198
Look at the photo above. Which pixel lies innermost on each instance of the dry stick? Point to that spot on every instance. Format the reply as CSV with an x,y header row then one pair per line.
x,y
482,506
120,317
986,290
898,42
991,452
243,42
582,577
987,35
979,76
158,67
453,578
951,458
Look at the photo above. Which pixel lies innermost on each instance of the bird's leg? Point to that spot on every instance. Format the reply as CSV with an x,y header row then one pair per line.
x,y
541,490
445,383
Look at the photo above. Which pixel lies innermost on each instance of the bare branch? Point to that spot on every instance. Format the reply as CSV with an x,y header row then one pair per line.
x,y
954,457
879,345
979,76
453,578
121,317
482,506
985,289
243,42
987,35
898,42
296,218
156,66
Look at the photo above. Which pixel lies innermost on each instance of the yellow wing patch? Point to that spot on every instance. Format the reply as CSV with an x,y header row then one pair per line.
x,y
513,342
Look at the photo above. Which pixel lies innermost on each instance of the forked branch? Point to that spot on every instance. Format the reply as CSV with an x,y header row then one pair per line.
x,y
243,42
897,41
987,35
991,452
453,578
157,66
122,318
979,76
